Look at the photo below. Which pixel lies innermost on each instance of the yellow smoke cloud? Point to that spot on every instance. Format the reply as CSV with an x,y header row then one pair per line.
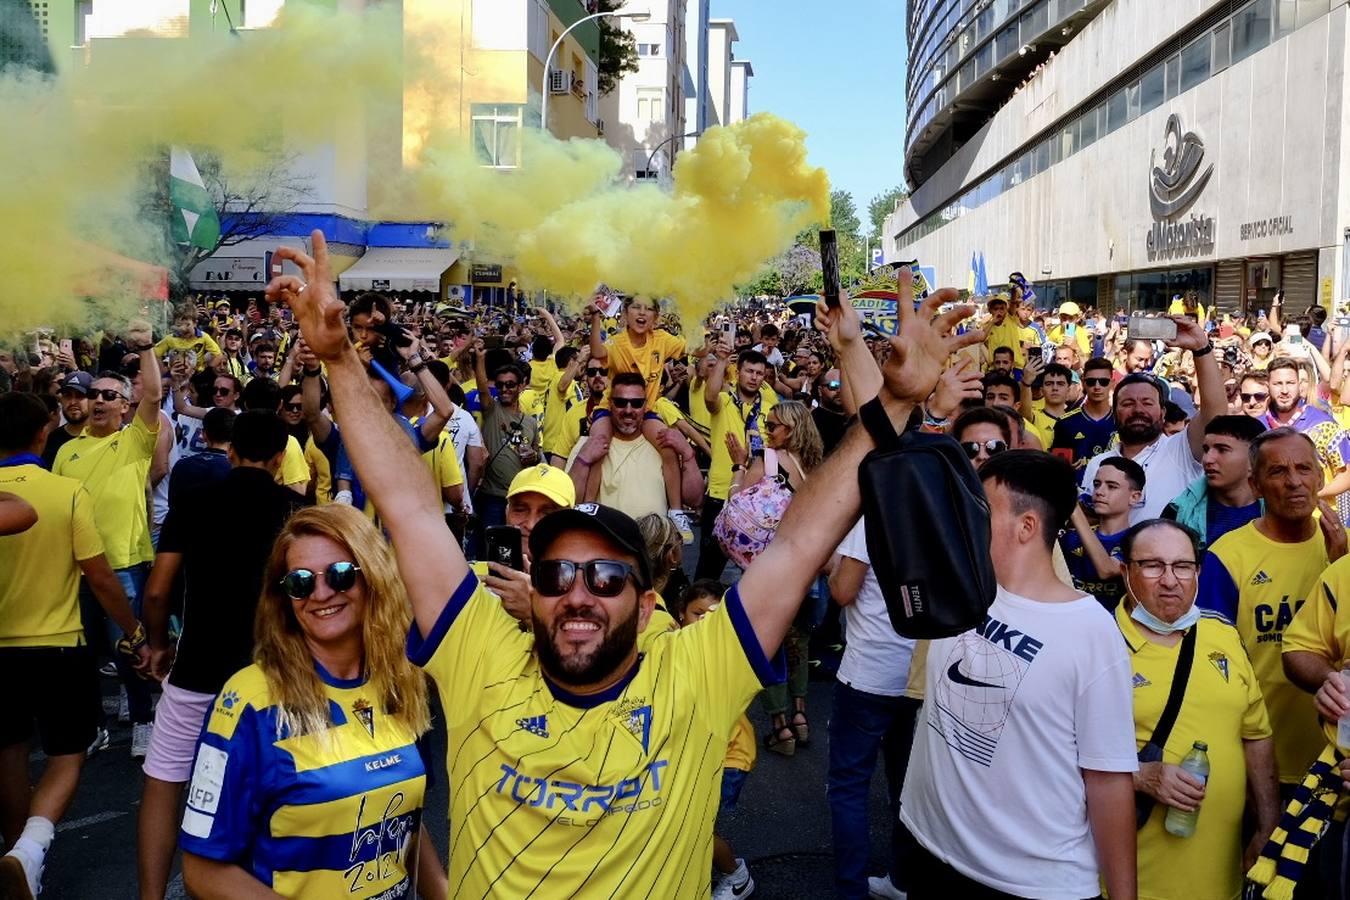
x,y
568,223
74,146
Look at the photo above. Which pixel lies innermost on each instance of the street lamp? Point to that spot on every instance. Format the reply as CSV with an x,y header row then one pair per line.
x,y
674,137
548,61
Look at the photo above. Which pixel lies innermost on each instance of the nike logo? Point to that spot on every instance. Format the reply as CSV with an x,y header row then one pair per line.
x,y
955,674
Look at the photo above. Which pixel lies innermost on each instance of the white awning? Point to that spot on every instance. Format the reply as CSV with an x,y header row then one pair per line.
x,y
399,269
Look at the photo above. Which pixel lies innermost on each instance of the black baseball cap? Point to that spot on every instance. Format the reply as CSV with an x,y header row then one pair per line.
x,y
618,527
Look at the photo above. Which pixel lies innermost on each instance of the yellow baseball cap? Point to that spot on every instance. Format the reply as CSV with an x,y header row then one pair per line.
x,y
1069,308
552,482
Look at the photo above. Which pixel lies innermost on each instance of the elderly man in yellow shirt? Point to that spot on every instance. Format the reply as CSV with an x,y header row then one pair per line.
x,y
1222,707
113,462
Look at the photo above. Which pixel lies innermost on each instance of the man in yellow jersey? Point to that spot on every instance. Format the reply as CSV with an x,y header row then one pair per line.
x,y
43,655
1003,331
1257,577
1222,707
576,765
741,410
1316,650
113,462
576,422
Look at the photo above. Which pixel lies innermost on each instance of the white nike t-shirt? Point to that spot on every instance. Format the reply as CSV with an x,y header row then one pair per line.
x,y
1014,710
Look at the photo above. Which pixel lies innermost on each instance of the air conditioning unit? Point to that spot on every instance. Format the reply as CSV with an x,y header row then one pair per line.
x,y
560,81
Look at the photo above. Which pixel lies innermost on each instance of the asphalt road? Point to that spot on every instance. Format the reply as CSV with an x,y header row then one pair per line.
x,y
781,827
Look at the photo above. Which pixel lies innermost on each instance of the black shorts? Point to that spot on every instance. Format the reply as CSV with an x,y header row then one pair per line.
x,y
56,692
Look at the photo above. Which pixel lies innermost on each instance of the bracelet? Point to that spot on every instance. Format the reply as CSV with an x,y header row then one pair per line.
x,y
142,348
311,373
930,419
738,467
1203,351
417,367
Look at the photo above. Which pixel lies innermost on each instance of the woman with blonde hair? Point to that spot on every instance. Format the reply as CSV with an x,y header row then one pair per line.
x,y
307,781
791,433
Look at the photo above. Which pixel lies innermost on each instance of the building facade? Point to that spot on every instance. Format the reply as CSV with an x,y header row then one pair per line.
x,y
644,116
697,101
1193,144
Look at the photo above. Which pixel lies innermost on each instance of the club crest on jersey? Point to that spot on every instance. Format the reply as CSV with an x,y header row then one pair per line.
x,y
1260,577
636,717
1220,661
1140,681
365,714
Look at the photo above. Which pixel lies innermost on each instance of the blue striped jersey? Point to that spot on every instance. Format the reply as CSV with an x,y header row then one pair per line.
x,y
325,815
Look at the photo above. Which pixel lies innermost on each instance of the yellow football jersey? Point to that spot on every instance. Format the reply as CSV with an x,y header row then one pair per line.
x,y
613,794
1258,585
115,470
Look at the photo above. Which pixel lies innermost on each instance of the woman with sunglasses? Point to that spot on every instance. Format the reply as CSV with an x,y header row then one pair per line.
x,y
308,781
791,433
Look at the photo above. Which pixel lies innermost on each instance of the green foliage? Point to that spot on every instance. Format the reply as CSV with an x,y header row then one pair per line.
x,y
881,206
618,48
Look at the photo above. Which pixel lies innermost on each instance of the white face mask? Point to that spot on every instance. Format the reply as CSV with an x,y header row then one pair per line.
x,y
1155,624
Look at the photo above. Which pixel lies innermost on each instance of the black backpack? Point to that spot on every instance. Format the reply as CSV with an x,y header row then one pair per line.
x,y
927,530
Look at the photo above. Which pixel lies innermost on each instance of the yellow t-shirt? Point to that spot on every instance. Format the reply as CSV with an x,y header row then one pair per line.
x,y
294,467
1007,334
322,472
115,470
532,402
1322,623
631,477
1043,424
668,411
1259,585
698,406
741,748
543,372
556,416
1059,335
443,461
1178,308
560,795
200,345
648,360
732,417
39,575
658,623
1223,708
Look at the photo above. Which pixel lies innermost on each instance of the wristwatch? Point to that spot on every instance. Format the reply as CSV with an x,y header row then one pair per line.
x,y
1203,351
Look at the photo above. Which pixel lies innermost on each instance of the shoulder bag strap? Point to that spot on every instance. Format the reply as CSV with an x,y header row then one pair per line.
x,y
1163,730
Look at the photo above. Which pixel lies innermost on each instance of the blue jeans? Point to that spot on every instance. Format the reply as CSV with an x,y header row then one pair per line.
x,y
862,724
138,688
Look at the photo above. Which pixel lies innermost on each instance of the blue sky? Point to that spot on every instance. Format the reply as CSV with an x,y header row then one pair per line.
x,y
837,70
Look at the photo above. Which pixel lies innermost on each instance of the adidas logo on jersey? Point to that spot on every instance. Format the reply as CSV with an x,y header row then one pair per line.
x,y
1261,577
1080,436
534,725
1140,681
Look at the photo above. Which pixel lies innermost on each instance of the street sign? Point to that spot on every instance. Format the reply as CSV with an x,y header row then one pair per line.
x,y
485,274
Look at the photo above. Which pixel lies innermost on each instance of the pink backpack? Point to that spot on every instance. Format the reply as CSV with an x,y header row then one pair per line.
x,y
749,520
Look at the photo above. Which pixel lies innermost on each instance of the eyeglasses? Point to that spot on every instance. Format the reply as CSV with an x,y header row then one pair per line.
x,y
224,391
1182,569
834,385
507,385
109,395
1097,382
295,407
603,577
1259,343
592,373
299,584
771,425
1258,397
627,402
973,448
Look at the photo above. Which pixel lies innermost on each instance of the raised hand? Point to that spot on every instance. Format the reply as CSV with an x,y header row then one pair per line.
x,y
312,298
1190,335
921,349
959,381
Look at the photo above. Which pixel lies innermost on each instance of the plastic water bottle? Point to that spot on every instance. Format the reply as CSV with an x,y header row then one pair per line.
x,y
1343,724
1195,764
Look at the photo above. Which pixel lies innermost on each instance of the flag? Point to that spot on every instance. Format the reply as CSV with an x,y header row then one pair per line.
x,y
982,279
194,220
973,282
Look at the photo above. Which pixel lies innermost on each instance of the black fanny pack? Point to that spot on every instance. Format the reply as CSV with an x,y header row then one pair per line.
x,y
928,530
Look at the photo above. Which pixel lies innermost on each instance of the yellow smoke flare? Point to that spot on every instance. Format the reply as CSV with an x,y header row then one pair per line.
x,y
567,222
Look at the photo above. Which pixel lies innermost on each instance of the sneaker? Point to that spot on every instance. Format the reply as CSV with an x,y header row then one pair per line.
x,y
123,708
15,879
140,739
101,738
683,523
737,885
108,670
880,886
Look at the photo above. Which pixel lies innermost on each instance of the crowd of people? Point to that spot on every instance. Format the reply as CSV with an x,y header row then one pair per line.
x,y
303,532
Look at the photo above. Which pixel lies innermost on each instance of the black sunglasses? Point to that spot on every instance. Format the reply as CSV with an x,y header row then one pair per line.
x,y
603,577
224,391
594,372
109,395
834,385
295,407
299,584
973,448
1096,382
507,384
1260,397
627,402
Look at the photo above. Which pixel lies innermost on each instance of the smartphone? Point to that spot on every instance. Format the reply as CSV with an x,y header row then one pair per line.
x,y
67,347
1033,353
505,547
829,266
1152,328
